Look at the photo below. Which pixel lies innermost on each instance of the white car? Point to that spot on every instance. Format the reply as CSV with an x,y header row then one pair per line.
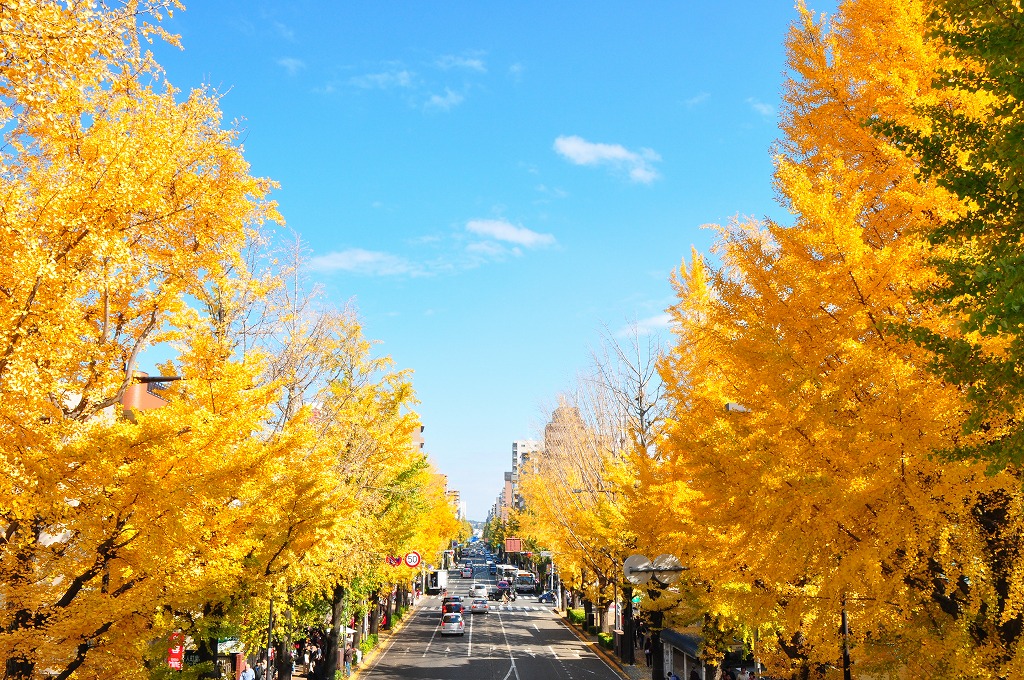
x,y
479,606
467,572
478,590
452,624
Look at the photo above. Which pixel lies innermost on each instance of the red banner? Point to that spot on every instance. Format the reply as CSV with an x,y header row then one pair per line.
x,y
176,652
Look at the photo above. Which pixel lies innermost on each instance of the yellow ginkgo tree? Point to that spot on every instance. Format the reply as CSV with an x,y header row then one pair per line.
x,y
805,424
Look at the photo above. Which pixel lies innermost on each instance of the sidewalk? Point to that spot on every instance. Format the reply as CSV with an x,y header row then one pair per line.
x,y
384,639
641,671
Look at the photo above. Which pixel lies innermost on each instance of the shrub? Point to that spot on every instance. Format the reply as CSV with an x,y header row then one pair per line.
x,y
368,643
606,640
577,616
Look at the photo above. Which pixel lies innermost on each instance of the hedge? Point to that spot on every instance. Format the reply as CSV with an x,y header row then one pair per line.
x,y
577,616
606,640
368,643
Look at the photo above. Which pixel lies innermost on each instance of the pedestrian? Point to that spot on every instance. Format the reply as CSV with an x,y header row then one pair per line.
x,y
348,661
247,672
693,675
260,673
672,676
648,652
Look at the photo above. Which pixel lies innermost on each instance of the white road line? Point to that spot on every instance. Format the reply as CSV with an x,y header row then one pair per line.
x,y
511,658
431,641
553,653
469,648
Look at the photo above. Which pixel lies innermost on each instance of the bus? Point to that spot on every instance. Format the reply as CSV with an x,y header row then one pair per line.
x,y
526,582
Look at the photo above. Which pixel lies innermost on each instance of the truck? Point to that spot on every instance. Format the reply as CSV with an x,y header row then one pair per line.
x,y
437,581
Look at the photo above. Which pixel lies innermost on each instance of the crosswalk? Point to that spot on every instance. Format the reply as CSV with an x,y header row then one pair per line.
x,y
499,608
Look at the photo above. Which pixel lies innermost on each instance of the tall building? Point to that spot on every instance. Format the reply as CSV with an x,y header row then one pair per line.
x,y
523,451
455,498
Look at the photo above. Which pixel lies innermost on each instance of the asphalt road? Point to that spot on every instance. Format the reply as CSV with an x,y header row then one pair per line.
x,y
522,640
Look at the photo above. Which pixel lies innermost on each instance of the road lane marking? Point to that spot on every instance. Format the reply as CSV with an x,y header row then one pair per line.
x,y
511,658
553,652
431,641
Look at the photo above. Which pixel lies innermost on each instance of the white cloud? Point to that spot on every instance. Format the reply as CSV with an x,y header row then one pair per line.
x,y
553,192
516,71
284,30
446,101
761,107
366,262
648,326
492,250
504,231
449,61
636,163
697,99
291,64
384,80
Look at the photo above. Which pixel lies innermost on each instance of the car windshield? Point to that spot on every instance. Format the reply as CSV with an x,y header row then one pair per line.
x,y
452,618
479,601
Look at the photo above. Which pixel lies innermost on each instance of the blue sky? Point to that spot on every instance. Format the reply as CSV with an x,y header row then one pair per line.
x,y
491,184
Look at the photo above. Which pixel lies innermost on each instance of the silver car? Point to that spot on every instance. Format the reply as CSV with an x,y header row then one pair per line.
x,y
479,607
452,624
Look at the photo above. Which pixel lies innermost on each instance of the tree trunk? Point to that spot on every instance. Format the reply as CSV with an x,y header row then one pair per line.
x,y
335,637
588,610
375,613
208,645
657,655
388,612
357,636
283,655
628,630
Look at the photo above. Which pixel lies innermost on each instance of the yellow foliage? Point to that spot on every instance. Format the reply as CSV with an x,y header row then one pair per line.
x,y
821,494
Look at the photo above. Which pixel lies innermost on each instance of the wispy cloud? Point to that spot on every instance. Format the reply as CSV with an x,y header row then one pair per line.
x,y
648,326
762,108
384,80
445,102
553,192
291,64
516,71
500,230
450,61
638,164
697,99
365,262
284,30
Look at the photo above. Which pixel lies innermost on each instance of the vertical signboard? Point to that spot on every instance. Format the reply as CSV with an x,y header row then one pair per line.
x,y
176,652
513,545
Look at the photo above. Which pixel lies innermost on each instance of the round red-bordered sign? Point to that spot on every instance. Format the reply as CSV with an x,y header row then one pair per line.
x,y
412,559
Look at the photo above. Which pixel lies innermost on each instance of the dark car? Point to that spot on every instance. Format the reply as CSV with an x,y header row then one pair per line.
x,y
548,597
502,590
452,608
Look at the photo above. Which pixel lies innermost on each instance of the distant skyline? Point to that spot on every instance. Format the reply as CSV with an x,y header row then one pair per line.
x,y
494,186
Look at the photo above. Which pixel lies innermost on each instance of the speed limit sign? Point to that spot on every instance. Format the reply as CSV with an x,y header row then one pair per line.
x,y
412,559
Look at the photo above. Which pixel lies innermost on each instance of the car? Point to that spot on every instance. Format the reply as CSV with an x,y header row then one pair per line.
x,y
492,568
452,608
548,597
478,590
467,572
452,624
479,606
451,598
